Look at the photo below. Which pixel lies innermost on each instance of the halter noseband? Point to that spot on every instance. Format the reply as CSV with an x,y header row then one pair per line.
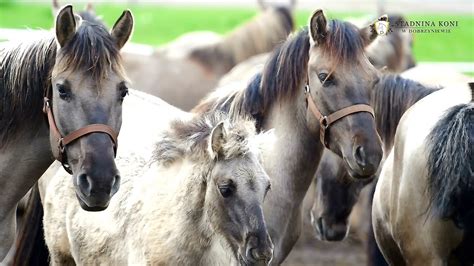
x,y
327,120
62,142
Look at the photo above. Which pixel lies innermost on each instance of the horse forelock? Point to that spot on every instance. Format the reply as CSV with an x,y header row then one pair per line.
x,y
191,138
343,43
93,50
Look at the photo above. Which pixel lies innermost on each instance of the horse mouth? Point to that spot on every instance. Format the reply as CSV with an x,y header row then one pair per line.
x,y
353,173
91,208
243,261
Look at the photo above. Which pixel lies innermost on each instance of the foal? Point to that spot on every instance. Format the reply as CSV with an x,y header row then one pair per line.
x,y
199,202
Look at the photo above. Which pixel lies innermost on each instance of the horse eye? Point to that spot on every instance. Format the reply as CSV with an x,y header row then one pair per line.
x,y
123,90
63,91
226,190
322,76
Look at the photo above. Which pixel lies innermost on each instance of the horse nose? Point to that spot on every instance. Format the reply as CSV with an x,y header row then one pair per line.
x,y
95,193
259,251
367,163
330,232
89,187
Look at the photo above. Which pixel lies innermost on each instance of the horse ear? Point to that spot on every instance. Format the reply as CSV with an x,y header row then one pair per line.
x,y
369,33
123,28
318,26
65,25
216,140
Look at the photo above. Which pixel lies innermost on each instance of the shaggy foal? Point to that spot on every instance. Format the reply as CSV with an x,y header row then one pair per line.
x,y
198,202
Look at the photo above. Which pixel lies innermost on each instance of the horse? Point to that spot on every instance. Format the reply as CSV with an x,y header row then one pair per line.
x,y
395,49
393,52
207,55
76,77
336,191
197,201
423,203
322,68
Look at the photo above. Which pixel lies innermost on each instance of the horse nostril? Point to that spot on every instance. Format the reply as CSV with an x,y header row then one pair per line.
x,y
84,184
115,185
359,155
255,254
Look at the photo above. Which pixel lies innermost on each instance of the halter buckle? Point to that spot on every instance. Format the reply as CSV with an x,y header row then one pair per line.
x,y
46,105
324,122
306,89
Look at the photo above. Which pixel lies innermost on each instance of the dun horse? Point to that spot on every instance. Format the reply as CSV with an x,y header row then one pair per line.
x,y
336,191
207,56
423,203
198,202
321,69
77,78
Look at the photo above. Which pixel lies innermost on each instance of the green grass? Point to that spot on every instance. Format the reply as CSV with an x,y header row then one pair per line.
x,y
157,25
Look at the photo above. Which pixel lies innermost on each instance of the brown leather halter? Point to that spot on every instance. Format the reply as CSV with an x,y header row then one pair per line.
x,y
59,153
327,120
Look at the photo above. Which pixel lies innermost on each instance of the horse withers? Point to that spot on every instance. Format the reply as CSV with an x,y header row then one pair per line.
x,y
77,78
423,203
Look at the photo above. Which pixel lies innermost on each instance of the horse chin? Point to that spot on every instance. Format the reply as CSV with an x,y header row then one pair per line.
x,y
355,173
326,233
86,207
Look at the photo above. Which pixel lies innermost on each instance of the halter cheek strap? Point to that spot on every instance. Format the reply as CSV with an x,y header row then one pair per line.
x,y
59,150
326,121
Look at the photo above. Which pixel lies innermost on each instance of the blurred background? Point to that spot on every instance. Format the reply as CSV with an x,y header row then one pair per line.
x,y
160,22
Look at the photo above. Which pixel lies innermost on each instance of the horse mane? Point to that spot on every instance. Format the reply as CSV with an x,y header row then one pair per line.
x,y
284,72
25,74
259,35
391,96
26,70
191,138
450,148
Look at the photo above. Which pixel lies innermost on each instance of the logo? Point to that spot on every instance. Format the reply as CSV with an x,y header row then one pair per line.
x,y
382,26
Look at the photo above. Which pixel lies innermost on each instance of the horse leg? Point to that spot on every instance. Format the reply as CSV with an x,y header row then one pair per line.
x,y
21,164
58,258
374,255
388,247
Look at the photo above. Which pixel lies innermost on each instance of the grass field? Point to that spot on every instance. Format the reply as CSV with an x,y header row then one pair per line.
x,y
157,25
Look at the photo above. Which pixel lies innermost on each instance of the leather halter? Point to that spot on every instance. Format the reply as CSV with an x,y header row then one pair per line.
x,y
59,153
327,120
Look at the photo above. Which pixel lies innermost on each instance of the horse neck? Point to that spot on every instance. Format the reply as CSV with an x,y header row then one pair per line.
x,y
177,214
257,36
294,159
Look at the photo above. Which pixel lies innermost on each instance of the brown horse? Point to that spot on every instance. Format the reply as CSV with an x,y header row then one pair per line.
x,y
395,49
328,60
77,78
336,191
207,56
